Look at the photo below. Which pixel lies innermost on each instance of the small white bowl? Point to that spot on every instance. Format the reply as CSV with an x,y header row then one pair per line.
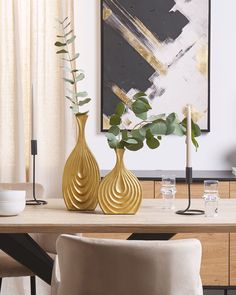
x,y
12,202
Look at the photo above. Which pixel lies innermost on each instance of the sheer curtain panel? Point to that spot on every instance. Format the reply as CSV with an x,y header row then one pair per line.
x,y
28,60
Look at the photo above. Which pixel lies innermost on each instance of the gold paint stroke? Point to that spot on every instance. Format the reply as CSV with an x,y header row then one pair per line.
x,y
144,51
138,43
147,33
105,122
139,26
202,60
120,93
106,13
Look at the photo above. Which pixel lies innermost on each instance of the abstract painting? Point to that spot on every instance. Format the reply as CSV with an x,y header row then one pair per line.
x,y
160,47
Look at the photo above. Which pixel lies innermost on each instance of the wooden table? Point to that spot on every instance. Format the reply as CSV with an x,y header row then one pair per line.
x,y
151,222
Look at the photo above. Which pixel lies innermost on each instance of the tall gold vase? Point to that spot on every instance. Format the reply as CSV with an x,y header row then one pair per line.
x,y
81,175
120,191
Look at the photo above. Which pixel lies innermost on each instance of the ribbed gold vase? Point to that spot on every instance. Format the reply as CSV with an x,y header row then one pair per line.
x,y
81,175
120,191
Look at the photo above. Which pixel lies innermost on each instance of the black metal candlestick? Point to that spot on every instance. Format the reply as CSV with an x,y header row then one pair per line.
x,y
34,201
189,211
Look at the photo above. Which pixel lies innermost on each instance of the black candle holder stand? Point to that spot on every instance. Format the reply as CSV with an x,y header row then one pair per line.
x,y
34,201
188,210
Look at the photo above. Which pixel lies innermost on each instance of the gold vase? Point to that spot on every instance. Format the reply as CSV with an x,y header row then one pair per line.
x,y
81,175
120,191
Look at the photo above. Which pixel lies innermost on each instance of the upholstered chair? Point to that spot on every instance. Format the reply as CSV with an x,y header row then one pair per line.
x,y
10,267
99,267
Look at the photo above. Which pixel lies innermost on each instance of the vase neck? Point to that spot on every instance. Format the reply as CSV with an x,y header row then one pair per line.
x,y
120,157
81,122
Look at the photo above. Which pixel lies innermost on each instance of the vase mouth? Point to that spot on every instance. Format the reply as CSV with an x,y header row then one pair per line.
x,y
82,114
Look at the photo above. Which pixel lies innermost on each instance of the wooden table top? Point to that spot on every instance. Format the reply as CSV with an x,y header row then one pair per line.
x,y
150,218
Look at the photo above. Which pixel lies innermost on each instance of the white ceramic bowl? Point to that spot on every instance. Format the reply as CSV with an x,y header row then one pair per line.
x,y
12,202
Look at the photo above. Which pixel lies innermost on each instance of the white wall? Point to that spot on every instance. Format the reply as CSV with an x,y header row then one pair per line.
x,y
218,148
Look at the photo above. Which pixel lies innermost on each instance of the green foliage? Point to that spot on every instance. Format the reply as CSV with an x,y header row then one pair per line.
x,y
149,130
73,76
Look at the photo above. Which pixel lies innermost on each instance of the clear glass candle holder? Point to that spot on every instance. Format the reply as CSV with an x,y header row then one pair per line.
x,y
168,191
211,197
211,205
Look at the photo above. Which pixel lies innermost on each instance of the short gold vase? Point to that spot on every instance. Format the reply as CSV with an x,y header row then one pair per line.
x,y
120,191
81,175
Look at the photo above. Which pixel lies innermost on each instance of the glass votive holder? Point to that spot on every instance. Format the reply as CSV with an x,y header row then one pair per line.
x,y
211,187
168,191
211,205
211,197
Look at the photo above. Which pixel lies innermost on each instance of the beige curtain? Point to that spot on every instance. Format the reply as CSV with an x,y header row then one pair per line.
x,y
27,57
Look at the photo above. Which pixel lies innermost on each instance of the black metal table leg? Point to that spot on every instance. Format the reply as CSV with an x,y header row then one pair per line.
x,y
149,237
25,250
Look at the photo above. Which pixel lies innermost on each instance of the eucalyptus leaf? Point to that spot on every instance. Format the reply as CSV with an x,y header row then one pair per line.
x,y
137,133
114,130
142,116
139,94
140,107
134,147
66,26
110,136
152,143
113,144
64,20
159,127
179,130
156,117
75,57
131,141
115,120
170,129
82,94
195,143
184,123
67,34
144,100
149,134
196,129
80,77
59,44
61,51
70,40
142,131
112,140
120,108
124,134
75,108
83,102
171,118
68,80
71,99
121,145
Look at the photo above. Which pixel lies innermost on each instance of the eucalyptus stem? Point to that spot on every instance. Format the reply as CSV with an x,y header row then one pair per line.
x,y
71,65
140,123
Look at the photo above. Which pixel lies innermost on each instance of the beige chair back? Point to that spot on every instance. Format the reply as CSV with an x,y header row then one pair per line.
x,y
116,267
